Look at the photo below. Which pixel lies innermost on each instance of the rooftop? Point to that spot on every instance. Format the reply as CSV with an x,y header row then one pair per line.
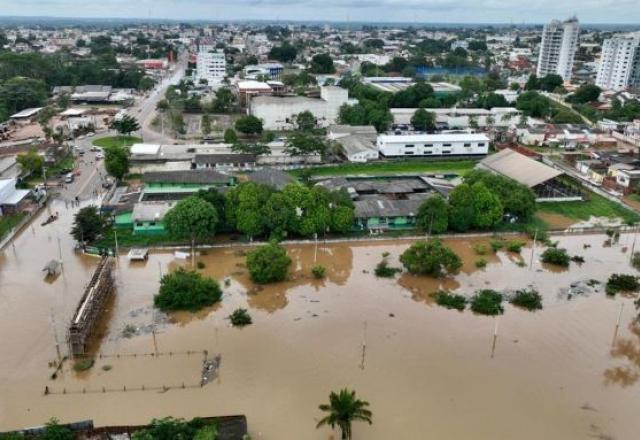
x,y
519,167
186,177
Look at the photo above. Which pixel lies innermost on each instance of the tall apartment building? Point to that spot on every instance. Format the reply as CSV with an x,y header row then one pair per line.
x,y
619,66
558,48
211,65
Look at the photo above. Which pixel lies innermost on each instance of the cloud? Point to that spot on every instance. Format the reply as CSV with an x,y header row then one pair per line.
x,y
455,11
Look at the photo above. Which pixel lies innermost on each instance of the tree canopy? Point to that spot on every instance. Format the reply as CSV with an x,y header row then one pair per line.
x,y
116,161
433,215
343,409
322,63
192,218
186,290
268,264
88,224
431,258
249,125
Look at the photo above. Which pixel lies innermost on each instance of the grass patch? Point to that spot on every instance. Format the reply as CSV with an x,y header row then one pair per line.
x,y
410,166
528,299
597,206
481,263
450,300
487,302
619,282
116,141
240,318
8,222
480,248
553,255
83,364
383,270
515,246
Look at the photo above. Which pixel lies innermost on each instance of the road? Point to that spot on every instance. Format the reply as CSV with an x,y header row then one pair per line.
x,y
90,174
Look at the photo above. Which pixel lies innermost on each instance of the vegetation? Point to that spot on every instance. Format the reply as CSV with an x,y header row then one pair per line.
x,y
186,290
553,255
88,225
31,163
268,264
481,263
116,141
480,248
423,120
322,63
318,271
515,245
343,409
126,125
249,125
83,364
528,299
8,222
169,428
383,270
596,206
635,260
473,206
487,302
116,161
450,300
240,318
433,215
192,218
619,282
430,258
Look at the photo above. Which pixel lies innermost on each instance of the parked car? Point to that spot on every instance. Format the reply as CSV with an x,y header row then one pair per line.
x,y
69,178
99,155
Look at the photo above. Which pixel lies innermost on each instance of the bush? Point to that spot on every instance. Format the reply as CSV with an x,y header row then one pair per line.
x,y
240,318
318,271
481,263
383,270
83,364
480,248
619,282
450,300
577,259
496,244
487,302
430,258
515,245
200,265
527,299
553,255
186,290
268,263
635,260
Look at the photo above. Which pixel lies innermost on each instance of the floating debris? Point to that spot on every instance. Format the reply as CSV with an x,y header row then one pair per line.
x,y
210,368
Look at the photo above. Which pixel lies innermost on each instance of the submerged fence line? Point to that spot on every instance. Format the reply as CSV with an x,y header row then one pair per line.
x,y
150,354
124,389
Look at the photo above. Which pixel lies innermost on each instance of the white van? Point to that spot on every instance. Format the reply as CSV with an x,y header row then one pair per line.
x,y
68,178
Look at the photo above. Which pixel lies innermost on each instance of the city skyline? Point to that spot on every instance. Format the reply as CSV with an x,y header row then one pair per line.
x,y
418,11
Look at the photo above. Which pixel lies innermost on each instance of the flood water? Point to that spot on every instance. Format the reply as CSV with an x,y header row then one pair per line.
x,y
426,371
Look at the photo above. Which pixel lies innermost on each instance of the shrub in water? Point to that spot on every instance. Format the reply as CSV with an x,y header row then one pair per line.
x,y
200,265
497,244
481,263
430,258
635,260
383,270
577,259
268,264
515,246
487,302
480,248
528,299
83,364
553,255
186,290
619,282
450,300
318,271
240,318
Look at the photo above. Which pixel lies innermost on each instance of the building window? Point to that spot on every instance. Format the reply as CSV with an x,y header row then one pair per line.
x,y
409,146
446,151
408,152
428,145
467,145
446,145
481,144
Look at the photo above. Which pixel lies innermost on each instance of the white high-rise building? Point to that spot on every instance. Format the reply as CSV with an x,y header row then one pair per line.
x,y
211,65
558,48
619,66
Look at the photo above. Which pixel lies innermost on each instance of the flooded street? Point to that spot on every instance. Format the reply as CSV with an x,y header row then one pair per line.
x,y
427,371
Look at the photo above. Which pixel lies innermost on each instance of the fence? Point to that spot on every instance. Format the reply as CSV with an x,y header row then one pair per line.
x,y
17,228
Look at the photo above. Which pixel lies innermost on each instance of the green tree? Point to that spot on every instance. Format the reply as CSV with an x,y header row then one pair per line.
x,y
487,208
146,83
224,101
284,53
116,161
31,163
186,290
550,82
322,63
230,136
302,144
245,208
249,125
217,200
430,258
423,120
54,431
88,225
305,121
279,215
19,93
461,210
586,93
352,114
268,263
192,218
342,219
343,409
125,125
205,124
433,215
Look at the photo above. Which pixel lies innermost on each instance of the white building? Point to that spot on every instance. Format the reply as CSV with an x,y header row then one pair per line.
x,y
278,113
558,48
421,145
619,66
210,66
460,118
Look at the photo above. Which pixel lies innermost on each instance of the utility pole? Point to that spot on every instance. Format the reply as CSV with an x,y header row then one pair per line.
x,y
533,248
495,338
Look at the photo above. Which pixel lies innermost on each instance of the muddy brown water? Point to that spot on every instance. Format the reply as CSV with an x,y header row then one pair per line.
x,y
427,371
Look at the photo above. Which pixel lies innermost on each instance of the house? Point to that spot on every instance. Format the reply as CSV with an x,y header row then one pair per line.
x,y
27,115
593,170
628,180
248,89
147,217
231,161
12,199
176,185
271,177
426,145
542,179
279,112
357,143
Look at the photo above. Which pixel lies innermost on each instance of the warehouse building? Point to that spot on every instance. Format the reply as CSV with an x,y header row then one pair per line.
x,y
427,145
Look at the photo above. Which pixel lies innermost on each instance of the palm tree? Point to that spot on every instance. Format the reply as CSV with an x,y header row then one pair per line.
x,y
344,408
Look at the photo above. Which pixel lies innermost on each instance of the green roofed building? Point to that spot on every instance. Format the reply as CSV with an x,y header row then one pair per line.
x,y
177,185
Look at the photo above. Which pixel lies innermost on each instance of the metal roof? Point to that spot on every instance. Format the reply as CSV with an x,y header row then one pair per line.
x,y
519,167
276,178
388,208
224,158
187,176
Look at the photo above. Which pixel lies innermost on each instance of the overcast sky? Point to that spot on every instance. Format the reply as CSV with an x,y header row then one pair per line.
x,y
425,11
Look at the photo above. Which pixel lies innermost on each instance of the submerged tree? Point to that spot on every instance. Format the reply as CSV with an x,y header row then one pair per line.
x,y
343,409
430,258
87,225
